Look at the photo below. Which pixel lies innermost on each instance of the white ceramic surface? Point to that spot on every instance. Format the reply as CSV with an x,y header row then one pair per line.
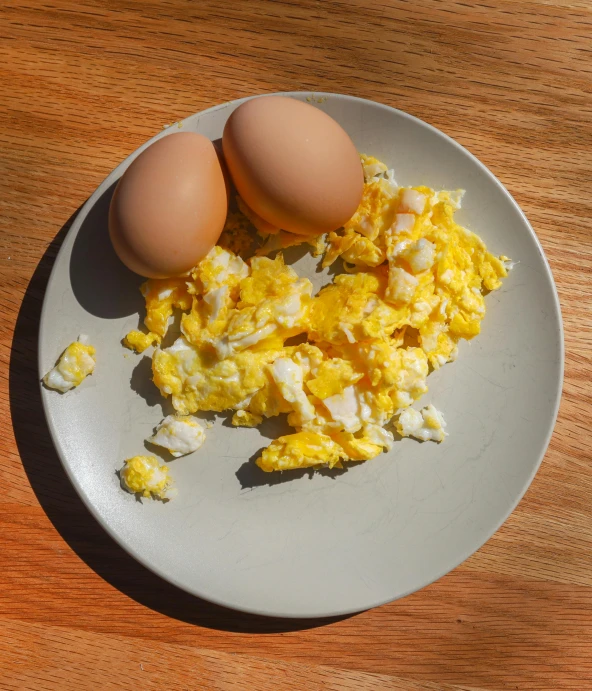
x,y
300,545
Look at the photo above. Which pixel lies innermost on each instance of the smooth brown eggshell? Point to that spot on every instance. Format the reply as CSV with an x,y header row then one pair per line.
x,y
169,207
227,179
293,165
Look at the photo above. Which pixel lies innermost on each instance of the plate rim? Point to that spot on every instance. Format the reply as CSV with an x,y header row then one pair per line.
x,y
170,578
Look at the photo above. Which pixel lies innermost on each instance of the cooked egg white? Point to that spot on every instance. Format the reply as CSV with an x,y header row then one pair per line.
x,y
427,424
413,288
179,435
74,365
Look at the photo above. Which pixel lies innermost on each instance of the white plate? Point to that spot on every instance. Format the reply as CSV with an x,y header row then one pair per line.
x,y
294,545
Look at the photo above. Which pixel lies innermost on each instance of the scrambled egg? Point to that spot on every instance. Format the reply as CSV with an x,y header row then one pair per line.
x,y
178,435
426,425
345,363
74,365
146,477
300,450
139,341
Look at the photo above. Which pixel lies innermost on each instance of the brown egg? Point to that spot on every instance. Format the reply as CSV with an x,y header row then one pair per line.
x,y
169,207
227,179
293,165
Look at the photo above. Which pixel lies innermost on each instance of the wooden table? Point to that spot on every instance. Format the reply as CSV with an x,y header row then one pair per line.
x,y
83,84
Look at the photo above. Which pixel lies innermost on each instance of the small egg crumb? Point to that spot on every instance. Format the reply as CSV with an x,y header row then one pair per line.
x,y
145,476
139,341
74,365
179,435
427,424
243,418
318,244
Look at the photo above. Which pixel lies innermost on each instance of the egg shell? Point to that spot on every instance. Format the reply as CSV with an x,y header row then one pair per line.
x,y
169,207
227,179
293,165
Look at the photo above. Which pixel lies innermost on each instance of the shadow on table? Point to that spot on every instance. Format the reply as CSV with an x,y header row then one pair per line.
x,y
53,489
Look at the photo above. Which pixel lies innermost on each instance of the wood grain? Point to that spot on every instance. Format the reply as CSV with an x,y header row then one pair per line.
x,y
83,84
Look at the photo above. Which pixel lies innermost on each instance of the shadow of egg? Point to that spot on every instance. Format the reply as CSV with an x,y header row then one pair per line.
x,y
102,284
141,382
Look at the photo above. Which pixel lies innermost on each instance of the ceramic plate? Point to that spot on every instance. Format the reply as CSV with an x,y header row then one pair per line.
x,y
311,545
